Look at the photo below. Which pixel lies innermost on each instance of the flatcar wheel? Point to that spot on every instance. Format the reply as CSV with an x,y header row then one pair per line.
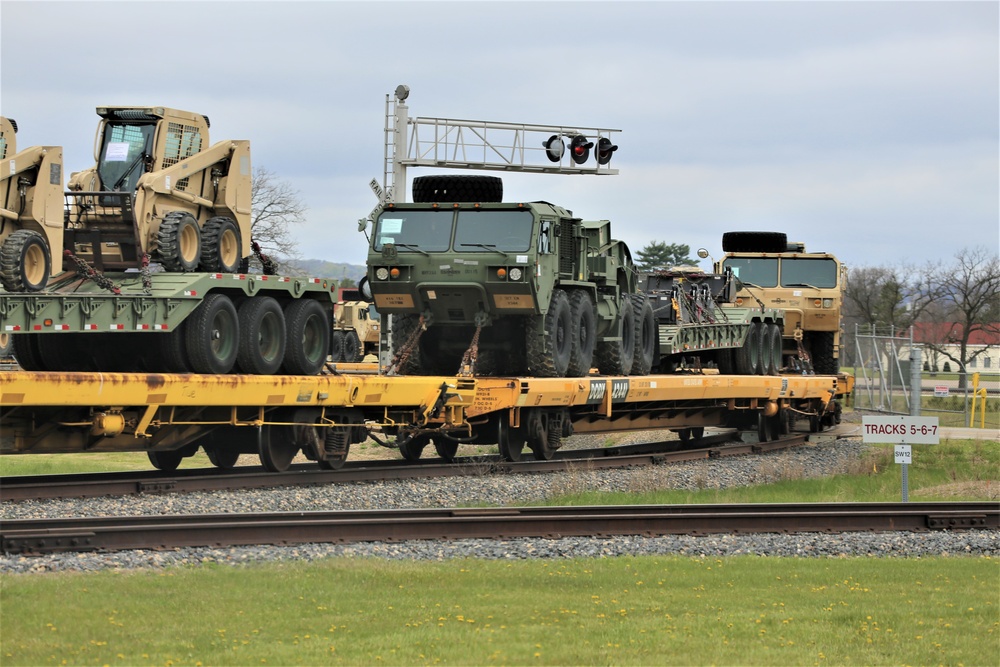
x,y
510,441
165,461
815,424
276,447
765,427
412,448
224,458
446,449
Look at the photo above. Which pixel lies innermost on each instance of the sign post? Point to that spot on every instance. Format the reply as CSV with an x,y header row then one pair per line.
x,y
903,431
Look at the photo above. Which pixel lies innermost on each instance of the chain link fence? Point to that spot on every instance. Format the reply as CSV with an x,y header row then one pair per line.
x,y
881,360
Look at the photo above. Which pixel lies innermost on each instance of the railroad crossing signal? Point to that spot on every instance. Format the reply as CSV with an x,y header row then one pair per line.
x,y
579,149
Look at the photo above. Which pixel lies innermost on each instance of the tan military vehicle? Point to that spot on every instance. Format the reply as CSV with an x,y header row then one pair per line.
x,y
355,331
31,212
808,286
159,190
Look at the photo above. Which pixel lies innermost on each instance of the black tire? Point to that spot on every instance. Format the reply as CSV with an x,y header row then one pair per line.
x,y
276,447
6,346
583,326
403,327
765,344
337,346
66,352
821,349
26,352
25,262
221,246
440,188
754,242
646,333
173,351
747,358
212,335
262,336
166,461
615,357
178,242
307,342
724,361
777,356
352,347
550,345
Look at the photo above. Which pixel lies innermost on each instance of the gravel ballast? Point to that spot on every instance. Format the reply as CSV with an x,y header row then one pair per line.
x,y
813,460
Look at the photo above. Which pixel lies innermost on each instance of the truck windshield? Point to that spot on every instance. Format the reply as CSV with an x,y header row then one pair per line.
x,y
487,231
817,272
414,231
122,155
762,272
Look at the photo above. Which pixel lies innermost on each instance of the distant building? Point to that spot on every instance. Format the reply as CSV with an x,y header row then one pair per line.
x,y
946,336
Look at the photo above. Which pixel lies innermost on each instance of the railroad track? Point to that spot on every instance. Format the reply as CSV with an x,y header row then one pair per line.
x,y
37,487
42,536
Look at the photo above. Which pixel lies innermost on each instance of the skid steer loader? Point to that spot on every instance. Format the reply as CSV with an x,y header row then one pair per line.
x,y
160,193
31,212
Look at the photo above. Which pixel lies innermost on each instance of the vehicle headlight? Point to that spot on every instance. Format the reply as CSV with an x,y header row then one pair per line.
x,y
382,273
515,273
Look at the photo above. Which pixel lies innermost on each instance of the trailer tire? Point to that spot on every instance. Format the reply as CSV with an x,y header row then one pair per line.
x,y
765,356
307,342
583,325
212,336
352,347
449,188
337,346
614,357
549,343
747,357
173,351
754,242
25,262
26,352
262,336
179,242
645,335
221,246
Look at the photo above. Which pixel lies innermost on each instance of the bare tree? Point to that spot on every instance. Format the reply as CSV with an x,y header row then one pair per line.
x,y
887,297
276,208
969,301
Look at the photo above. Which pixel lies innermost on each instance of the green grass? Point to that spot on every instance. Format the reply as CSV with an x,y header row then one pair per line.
x,y
954,470
623,611
56,464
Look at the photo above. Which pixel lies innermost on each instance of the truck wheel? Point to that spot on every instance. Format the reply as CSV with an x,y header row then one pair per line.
x,y
747,357
549,346
221,246
352,347
173,351
583,326
646,332
440,188
777,357
337,346
765,345
308,337
24,262
212,336
179,242
724,361
26,352
276,447
6,346
754,242
821,348
615,357
166,461
262,336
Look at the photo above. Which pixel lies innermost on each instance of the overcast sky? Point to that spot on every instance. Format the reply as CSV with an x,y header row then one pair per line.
x,y
870,130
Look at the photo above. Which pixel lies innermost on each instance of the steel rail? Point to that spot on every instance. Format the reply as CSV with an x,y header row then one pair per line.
x,y
37,487
41,536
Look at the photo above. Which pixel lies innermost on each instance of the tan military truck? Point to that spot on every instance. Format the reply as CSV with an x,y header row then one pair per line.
x,y
31,212
808,286
355,331
158,190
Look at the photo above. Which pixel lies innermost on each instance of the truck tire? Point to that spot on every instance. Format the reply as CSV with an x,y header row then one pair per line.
x,y
26,352
747,357
212,336
6,346
457,189
262,336
614,357
221,246
173,350
765,342
777,357
821,349
25,262
307,341
337,346
754,242
549,343
352,347
583,325
178,242
646,333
